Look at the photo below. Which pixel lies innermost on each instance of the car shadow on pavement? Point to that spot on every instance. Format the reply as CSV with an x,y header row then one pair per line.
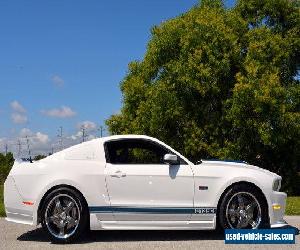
x,y
39,235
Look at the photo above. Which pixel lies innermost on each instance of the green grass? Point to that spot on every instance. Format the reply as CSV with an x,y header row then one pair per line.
x,y
292,206
2,210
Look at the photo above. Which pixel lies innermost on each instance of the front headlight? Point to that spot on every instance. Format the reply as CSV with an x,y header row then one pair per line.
x,y
277,185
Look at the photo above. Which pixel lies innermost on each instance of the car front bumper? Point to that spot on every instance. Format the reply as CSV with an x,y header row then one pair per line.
x,y
277,209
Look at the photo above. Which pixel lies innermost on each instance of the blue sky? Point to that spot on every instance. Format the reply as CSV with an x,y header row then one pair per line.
x,y
61,62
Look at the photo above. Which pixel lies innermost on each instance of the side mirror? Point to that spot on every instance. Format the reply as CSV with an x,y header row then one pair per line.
x,y
171,159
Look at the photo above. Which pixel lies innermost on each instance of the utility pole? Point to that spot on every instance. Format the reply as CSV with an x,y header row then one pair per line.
x,y
6,149
28,148
101,129
83,131
60,136
19,147
52,150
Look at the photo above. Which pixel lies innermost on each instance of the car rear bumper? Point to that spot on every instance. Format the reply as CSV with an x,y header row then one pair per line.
x,y
16,210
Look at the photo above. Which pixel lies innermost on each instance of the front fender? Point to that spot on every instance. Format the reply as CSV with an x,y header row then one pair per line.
x,y
237,180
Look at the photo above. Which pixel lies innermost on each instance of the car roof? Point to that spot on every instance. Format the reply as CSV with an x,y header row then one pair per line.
x,y
102,140
129,136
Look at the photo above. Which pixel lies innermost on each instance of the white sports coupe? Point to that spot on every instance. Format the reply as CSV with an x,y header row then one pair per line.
x,y
137,182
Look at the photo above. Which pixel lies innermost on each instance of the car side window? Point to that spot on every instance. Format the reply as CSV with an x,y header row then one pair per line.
x,y
134,151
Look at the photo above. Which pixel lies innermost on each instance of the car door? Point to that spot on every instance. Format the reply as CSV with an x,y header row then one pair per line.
x,y
142,187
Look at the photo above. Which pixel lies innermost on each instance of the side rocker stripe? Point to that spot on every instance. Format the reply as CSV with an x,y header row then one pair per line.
x,y
153,210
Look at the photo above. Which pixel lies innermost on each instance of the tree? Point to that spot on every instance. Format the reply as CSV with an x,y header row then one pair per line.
x,y
222,83
39,157
6,162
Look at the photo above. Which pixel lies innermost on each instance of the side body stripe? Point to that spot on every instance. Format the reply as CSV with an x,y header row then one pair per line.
x,y
153,210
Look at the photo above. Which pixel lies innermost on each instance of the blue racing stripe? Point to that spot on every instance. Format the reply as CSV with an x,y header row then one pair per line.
x,y
153,210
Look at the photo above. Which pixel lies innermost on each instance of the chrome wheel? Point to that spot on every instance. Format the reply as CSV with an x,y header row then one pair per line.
x,y
243,211
62,216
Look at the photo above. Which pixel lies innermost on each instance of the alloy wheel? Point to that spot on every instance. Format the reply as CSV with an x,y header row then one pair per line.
x,y
62,216
243,211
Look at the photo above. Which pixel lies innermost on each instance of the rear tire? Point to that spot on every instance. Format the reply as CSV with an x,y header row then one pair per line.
x,y
243,207
65,215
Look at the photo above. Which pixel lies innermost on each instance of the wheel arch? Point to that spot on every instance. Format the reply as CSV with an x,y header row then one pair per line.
x,y
235,184
40,206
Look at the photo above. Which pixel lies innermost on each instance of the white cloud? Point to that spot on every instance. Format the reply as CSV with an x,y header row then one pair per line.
x,y
74,137
2,140
42,138
87,125
25,132
18,118
62,112
17,107
91,137
2,144
90,133
57,81
39,143
42,143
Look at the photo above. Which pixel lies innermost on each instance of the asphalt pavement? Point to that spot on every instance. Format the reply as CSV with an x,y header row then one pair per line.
x,y
16,236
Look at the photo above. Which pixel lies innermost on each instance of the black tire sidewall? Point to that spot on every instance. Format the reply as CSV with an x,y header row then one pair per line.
x,y
249,189
83,222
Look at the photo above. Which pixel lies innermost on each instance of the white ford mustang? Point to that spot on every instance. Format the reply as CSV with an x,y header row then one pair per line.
x,y
138,182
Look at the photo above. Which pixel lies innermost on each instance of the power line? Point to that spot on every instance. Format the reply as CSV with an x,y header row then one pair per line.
x,y
27,143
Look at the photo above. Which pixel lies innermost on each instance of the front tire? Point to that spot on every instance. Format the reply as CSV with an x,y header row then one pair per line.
x,y
243,207
64,215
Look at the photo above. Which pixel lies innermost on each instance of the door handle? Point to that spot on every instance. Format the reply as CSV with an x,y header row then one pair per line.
x,y
118,174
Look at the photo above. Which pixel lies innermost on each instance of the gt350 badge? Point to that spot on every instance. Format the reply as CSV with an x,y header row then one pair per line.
x,y
205,210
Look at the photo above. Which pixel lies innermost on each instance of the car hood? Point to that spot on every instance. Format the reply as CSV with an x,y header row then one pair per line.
x,y
232,166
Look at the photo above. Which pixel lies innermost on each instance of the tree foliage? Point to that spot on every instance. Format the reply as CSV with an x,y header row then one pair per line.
x,y
39,157
6,162
221,83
